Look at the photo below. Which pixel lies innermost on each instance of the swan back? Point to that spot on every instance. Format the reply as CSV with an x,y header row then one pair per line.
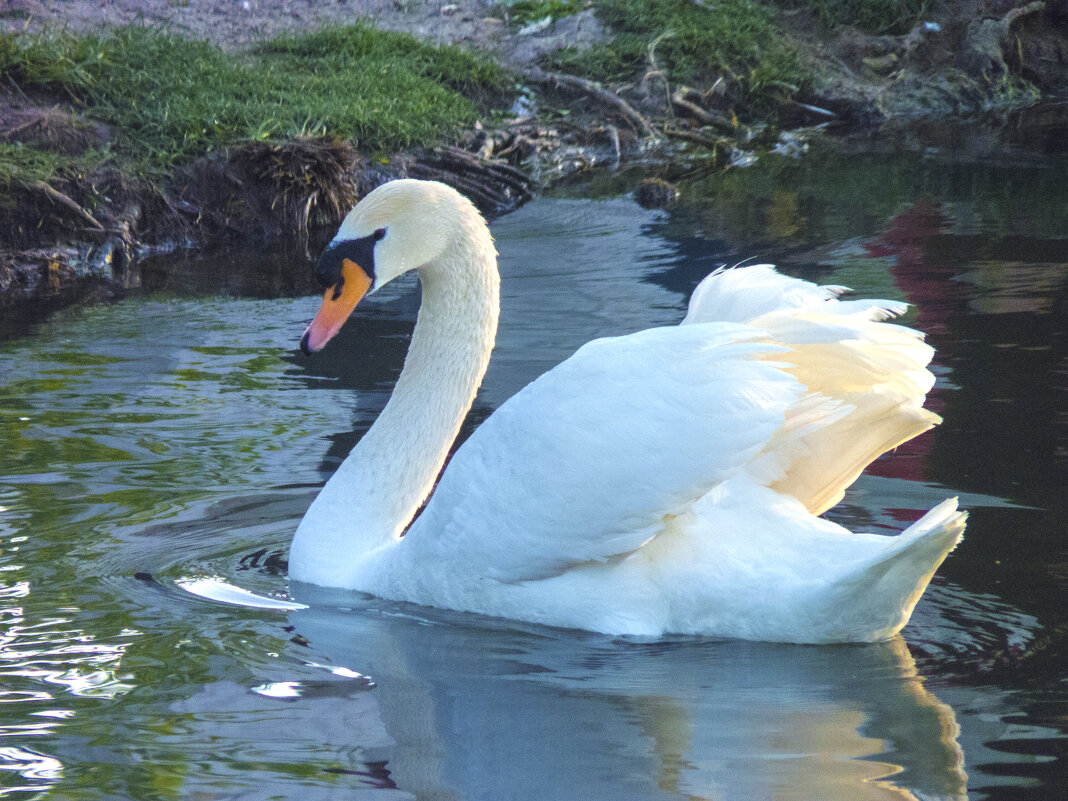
x,y
587,462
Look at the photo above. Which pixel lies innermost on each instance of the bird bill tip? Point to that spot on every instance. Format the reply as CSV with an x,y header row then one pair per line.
x,y
338,303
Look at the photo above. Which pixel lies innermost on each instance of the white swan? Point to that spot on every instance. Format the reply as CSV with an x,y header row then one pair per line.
x,y
668,481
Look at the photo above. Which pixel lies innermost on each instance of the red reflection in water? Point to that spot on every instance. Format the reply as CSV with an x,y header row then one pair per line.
x,y
925,272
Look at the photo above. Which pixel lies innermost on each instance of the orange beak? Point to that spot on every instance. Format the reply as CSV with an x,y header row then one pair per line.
x,y
338,303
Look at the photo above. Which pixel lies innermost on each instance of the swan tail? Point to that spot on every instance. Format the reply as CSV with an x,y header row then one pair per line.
x,y
879,597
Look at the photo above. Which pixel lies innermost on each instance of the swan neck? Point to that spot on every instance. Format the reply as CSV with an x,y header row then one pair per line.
x,y
447,359
379,488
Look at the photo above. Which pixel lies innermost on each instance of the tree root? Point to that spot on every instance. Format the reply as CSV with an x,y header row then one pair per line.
x,y
683,99
493,186
56,196
1018,13
696,138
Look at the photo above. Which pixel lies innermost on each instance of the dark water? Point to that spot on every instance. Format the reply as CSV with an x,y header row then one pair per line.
x,y
156,455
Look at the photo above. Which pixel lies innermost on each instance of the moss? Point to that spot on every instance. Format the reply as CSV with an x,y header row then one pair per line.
x,y
694,44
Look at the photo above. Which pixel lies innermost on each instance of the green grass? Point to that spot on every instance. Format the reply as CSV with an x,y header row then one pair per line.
x,y
170,99
51,59
25,164
694,44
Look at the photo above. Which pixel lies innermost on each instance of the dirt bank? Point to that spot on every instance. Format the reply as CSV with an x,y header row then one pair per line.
x,y
80,233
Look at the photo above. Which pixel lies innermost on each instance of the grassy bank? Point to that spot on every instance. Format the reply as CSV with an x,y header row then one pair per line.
x,y
167,100
164,100
103,136
693,43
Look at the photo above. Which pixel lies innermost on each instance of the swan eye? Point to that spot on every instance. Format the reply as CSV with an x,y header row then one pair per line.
x,y
379,234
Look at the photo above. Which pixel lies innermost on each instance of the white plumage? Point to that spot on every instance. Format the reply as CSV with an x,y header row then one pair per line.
x,y
666,481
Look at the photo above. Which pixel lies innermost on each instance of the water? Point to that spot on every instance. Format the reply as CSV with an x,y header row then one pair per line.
x,y
157,453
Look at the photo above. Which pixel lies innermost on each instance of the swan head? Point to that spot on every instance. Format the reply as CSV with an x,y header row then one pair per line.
x,y
400,226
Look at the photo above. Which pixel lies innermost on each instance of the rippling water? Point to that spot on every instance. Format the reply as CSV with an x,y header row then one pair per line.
x,y
157,453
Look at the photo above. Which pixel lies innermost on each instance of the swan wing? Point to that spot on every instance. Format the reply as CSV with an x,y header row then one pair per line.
x,y
873,372
587,463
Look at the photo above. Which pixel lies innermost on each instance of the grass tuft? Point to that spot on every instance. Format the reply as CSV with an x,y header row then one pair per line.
x,y
52,60
524,12
24,165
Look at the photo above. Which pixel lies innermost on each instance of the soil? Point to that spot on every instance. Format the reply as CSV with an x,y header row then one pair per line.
x,y
973,56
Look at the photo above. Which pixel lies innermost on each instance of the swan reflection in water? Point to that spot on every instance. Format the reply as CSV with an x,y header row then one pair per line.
x,y
428,704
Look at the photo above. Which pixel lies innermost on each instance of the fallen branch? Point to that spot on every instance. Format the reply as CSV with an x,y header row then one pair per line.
x,y
654,71
494,187
520,141
450,157
486,198
10,133
613,135
598,93
816,111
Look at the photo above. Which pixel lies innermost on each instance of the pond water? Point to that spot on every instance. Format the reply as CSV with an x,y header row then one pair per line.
x,y
157,453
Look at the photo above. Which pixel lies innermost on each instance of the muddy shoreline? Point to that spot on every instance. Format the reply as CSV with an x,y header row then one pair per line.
x,y
970,58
